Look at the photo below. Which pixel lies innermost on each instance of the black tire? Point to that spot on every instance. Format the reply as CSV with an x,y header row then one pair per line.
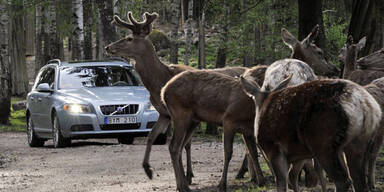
x,y
161,139
58,140
33,140
126,140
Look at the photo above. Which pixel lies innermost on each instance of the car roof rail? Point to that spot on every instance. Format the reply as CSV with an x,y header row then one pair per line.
x,y
54,61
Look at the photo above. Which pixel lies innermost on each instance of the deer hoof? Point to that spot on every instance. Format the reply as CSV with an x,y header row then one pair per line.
x,y
189,177
148,170
184,189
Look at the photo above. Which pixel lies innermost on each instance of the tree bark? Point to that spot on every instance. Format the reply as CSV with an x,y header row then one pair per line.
x,y
39,61
107,31
310,14
78,30
188,33
368,20
88,22
17,49
5,83
201,56
174,33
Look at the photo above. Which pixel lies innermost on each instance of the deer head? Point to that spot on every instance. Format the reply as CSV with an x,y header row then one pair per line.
x,y
348,55
137,44
308,52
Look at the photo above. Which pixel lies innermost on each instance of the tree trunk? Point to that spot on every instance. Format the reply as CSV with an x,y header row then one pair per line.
x,y
78,30
310,14
201,56
368,20
174,33
17,50
39,62
212,129
88,22
188,33
107,31
5,83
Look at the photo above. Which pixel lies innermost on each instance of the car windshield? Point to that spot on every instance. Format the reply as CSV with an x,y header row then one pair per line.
x,y
97,76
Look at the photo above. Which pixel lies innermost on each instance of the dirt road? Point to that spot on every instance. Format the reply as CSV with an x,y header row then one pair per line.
x,y
104,165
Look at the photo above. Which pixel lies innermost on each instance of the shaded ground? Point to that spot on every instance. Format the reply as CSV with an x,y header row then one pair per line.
x,y
104,165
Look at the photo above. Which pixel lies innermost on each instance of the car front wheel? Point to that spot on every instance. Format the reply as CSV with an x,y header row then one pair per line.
x,y
33,140
58,140
126,140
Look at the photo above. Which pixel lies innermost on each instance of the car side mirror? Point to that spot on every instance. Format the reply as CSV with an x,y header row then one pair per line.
x,y
44,87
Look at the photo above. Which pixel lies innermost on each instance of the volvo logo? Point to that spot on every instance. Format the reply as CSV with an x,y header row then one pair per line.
x,y
120,109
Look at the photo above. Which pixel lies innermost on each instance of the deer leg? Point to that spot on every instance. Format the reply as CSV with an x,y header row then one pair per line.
x,y
311,178
160,126
250,141
187,147
251,169
357,161
334,164
372,155
228,149
243,169
294,174
175,148
320,175
280,167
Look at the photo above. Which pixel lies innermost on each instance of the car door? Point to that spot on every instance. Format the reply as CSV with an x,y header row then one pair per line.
x,y
44,100
32,101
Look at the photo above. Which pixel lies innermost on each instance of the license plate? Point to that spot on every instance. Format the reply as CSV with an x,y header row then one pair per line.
x,y
120,120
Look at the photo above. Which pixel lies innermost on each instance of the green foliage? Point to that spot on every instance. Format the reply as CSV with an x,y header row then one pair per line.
x,y
159,39
17,120
336,37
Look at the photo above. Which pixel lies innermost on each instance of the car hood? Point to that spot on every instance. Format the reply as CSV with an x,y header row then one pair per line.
x,y
108,94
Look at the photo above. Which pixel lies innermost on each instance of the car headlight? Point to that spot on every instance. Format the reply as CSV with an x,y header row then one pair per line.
x,y
77,108
151,107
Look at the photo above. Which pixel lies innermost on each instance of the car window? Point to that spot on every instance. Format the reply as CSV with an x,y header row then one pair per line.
x,y
47,76
97,76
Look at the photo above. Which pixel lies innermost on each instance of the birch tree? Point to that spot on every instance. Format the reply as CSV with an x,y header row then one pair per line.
x,y
88,22
188,33
5,84
78,30
106,31
39,36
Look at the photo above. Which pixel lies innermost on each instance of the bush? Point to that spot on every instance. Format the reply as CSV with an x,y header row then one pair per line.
x,y
159,40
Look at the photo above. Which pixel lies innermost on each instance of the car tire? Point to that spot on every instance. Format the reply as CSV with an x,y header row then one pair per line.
x,y
161,139
126,140
33,140
58,140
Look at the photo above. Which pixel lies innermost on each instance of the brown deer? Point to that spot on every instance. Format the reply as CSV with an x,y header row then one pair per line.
x,y
325,119
210,99
154,75
308,52
348,56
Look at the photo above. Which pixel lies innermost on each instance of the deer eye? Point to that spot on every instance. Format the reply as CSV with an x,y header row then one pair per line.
x,y
129,38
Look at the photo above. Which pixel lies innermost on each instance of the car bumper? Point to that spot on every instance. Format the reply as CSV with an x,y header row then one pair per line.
x,y
93,126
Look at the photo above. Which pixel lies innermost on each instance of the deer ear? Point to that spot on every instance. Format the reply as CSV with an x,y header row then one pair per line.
x,y
311,36
251,88
288,38
361,43
283,84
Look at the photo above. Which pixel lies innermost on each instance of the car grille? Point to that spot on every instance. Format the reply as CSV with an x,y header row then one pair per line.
x,y
120,126
109,109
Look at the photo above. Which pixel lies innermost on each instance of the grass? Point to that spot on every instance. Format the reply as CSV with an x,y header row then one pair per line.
x,y
16,120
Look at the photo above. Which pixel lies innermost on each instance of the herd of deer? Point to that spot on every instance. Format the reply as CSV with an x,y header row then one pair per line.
x,y
295,115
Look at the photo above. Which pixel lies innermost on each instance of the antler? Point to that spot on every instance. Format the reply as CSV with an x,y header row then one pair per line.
x,y
119,22
138,28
